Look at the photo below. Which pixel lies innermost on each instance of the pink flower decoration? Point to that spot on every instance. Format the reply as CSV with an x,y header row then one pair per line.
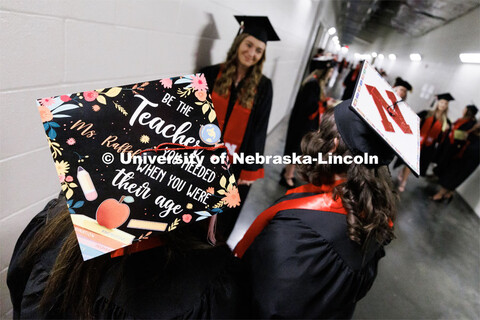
x,y
69,179
96,108
65,98
62,178
187,218
201,95
45,114
210,190
90,95
199,83
47,101
166,83
71,141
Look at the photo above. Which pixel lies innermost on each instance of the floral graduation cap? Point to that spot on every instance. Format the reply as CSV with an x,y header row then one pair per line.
x,y
377,104
116,192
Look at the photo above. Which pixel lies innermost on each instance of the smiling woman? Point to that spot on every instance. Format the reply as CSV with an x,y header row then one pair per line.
x,y
243,98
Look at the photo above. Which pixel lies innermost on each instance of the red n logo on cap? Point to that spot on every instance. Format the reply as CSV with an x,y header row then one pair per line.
x,y
382,105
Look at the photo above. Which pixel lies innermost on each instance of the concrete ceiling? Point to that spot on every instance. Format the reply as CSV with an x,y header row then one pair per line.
x,y
364,21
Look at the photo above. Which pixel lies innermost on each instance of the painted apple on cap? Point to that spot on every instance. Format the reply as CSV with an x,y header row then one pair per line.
x,y
112,213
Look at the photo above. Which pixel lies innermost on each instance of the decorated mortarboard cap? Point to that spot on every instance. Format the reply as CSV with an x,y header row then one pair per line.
x,y
115,202
445,96
400,82
377,122
359,137
257,26
473,109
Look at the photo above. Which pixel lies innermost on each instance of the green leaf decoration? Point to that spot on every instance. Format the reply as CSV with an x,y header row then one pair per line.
x,y
69,193
64,186
100,90
113,92
205,108
102,99
231,179
223,181
198,103
128,199
221,191
72,185
212,116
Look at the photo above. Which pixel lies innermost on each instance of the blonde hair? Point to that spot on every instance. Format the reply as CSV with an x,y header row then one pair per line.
x,y
321,75
444,115
223,84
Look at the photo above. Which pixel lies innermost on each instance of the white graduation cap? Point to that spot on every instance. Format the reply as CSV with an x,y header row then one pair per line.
x,y
393,120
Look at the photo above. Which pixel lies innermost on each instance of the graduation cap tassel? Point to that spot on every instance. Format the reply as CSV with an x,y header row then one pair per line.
x,y
240,29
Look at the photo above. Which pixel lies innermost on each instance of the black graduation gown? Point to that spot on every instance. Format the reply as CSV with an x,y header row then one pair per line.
x,y
299,124
447,150
197,284
253,140
459,169
256,131
303,265
349,84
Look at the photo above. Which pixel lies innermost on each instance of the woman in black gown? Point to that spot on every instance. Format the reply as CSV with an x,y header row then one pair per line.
x,y
242,97
460,156
434,126
182,276
310,104
314,253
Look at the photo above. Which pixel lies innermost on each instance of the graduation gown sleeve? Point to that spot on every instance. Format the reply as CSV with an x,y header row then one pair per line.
x,y
256,132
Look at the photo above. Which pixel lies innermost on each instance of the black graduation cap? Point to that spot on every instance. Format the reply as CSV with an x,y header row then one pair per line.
x,y
445,96
257,26
400,82
473,108
359,137
322,63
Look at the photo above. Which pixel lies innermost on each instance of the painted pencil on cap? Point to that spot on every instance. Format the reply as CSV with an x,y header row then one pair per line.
x,y
257,26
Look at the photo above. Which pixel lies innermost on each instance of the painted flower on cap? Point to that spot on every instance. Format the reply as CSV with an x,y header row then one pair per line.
x,y
166,83
232,198
47,101
65,98
62,167
201,95
90,95
210,190
45,114
199,82
187,218
71,141
96,107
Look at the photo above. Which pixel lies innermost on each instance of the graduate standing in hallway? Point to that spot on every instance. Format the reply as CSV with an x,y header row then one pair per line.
x,y
242,97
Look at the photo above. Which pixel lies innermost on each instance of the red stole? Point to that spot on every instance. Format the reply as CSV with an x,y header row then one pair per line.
x,y
320,111
429,133
456,125
237,123
322,201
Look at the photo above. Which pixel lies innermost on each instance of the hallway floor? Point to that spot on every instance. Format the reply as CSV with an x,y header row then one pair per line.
x,y
431,271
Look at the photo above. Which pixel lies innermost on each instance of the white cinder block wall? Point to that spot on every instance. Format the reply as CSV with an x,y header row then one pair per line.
x,y
441,68
62,46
